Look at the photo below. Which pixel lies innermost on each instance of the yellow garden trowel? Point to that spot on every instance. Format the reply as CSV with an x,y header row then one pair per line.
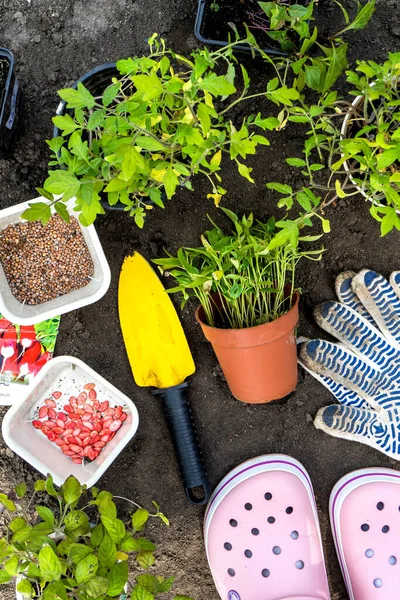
x,y
160,357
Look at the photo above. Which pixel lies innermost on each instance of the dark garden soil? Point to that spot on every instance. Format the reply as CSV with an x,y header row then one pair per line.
x,y
56,42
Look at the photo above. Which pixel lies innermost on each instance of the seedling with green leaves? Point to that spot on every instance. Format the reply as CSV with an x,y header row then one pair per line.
x,y
245,277
365,156
79,550
315,63
165,119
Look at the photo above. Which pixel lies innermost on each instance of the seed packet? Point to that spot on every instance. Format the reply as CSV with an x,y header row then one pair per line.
x,y
24,349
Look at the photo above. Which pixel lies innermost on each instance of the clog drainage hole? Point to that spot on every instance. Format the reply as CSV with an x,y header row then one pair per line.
x,y
369,553
277,550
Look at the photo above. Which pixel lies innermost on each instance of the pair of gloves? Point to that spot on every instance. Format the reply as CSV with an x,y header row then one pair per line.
x,y
363,369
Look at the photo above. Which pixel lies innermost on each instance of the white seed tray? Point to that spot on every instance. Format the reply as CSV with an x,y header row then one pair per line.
x,y
67,375
23,314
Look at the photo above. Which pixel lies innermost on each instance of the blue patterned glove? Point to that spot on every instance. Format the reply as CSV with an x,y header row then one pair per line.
x,y
363,370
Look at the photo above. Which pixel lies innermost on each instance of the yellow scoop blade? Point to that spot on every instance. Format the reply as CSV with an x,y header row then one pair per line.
x,y
157,349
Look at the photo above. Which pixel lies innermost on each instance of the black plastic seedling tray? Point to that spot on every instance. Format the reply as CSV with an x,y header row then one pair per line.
x,y
10,99
205,15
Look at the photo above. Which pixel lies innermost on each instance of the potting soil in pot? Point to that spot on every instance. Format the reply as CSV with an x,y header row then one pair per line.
x,y
44,262
220,14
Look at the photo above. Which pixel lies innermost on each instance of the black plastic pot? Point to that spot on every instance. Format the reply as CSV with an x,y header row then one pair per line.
x,y
10,102
204,13
96,81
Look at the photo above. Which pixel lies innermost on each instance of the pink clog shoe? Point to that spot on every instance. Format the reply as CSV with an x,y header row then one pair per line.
x,y
262,534
365,519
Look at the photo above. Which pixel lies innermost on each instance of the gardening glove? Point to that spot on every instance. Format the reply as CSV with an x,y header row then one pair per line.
x,y
363,371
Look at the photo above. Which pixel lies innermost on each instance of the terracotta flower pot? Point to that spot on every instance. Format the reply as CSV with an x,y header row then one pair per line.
x,y
259,363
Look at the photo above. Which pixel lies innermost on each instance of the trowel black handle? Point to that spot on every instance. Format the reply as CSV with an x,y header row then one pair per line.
x,y
180,423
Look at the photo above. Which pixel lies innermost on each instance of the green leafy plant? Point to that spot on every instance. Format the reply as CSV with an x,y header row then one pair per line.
x,y
165,119
316,64
214,6
365,157
79,550
245,277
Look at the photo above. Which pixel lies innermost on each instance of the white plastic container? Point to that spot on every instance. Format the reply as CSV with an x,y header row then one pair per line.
x,y
67,375
23,314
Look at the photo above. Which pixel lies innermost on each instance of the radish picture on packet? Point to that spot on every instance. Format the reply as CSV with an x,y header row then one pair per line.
x,y
24,349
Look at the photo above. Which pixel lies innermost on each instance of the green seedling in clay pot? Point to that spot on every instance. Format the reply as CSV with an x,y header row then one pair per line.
x,y
164,120
71,544
244,280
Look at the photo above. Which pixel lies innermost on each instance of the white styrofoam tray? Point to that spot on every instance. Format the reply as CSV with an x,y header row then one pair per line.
x,y
67,375
23,314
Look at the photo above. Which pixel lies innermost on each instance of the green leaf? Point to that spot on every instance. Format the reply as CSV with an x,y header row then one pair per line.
x,y
282,188
79,98
77,147
40,485
110,93
296,162
20,490
66,124
315,77
25,588
71,490
270,123
116,185
96,119
150,583
97,534
326,226
97,587
149,86
284,95
107,552
62,182
140,593
77,552
364,14
245,171
204,113
17,523
133,161
37,211
387,158
149,143
9,504
337,64
22,534
45,194
145,559
75,519
11,566
217,85
170,182
139,519
166,585
114,527
86,568
49,564
62,210
4,576
117,577
45,514
155,196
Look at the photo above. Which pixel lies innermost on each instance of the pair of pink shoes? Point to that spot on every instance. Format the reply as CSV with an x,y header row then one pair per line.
x,y
263,539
